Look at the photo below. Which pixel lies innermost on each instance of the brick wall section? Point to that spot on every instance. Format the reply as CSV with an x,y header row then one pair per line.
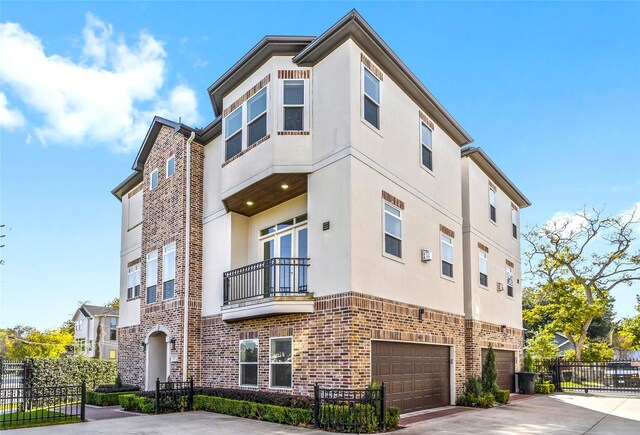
x,y
130,355
331,346
164,215
479,335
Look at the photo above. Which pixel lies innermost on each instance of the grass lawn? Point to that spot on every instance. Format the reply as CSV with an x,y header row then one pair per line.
x,y
580,385
40,417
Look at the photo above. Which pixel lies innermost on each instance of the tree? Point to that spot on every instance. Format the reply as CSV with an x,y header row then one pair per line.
x,y
542,347
114,303
628,331
490,373
36,344
575,263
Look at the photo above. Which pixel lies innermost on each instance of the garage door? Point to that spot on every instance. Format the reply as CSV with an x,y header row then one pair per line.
x,y
506,366
416,376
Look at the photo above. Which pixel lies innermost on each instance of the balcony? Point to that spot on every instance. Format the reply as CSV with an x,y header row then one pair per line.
x,y
269,288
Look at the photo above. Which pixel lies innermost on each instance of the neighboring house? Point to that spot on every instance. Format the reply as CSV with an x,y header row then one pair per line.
x,y
96,330
562,343
327,226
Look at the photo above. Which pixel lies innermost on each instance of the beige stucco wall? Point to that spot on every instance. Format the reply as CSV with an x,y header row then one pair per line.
x,y
487,303
131,243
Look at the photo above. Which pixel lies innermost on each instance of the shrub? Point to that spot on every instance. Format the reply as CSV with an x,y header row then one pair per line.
x,y
264,397
545,387
103,399
113,388
489,372
502,396
484,401
357,418
136,403
528,361
258,411
392,418
72,371
118,382
473,387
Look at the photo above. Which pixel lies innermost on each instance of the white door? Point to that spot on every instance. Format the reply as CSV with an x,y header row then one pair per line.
x,y
285,273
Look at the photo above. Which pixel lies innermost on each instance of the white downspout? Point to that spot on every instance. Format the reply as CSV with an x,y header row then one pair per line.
x,y
185,335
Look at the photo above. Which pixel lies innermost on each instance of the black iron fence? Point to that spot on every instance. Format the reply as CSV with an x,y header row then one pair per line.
x,y
611,376
273,277
27,406
341,410
173,396
15,373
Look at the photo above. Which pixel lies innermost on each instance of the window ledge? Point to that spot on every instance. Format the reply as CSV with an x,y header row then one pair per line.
x,y
448,278
483,287
134,298
427,170
393,257
493,222
378,131
246,150
293,133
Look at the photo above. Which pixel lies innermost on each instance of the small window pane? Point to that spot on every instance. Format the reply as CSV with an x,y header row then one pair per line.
x,y
514,231
171,166
249,374
294,92
113,335
392,245
167,289
154,179
484,279
234,146
372,86
427,157
151,294
249,351
281,350
281,375
447,249
393,225
447,269
426,136
257,130
391,209
371,113
233,123
293,118
492,213
257,105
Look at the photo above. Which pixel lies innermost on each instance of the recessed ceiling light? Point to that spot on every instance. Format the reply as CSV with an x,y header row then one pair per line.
x,y
249,202
285,186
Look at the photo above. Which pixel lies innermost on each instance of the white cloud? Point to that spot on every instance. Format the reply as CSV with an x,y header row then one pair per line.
x,y
9,118
109,97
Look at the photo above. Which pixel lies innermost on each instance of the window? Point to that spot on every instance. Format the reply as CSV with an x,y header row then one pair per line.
x,y
484,269
371,99
153,181
492,204
281,362
133,281
79,324
257,117
90,346
509,281
233,133
168,270
171,166
152,276
249,362
293,104
392,231
426,146
446,253
79,345
112,354
514,223
113,328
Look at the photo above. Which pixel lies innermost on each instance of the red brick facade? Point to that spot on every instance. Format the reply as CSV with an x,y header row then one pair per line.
x,y
479,335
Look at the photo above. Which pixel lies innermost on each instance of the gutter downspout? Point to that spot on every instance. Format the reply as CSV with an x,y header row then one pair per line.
x,y
185,335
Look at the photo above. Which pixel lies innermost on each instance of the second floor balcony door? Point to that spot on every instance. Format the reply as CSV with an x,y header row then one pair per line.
x,y
285,250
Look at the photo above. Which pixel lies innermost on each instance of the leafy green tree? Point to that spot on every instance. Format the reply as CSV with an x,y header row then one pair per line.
x,y
574,264
36,344
114,303
628,330
489,372
542,346
597,351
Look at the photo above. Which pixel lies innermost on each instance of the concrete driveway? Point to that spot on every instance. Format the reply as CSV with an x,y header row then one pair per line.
x,y
558,414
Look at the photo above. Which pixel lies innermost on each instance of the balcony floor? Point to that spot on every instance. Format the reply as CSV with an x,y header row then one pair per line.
x,y
266,307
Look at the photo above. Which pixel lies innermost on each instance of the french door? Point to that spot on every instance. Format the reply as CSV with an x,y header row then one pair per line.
x,y
285,255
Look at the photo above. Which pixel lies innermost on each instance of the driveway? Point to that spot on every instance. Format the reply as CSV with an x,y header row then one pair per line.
x,y
558,414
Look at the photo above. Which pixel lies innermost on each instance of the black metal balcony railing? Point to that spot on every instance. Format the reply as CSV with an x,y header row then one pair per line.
x,y
273,277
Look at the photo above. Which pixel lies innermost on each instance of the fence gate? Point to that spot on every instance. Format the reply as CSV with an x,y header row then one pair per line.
x,y
173,396
608,376
355,410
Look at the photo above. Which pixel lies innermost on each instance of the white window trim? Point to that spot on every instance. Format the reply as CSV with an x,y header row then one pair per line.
x,y
167,249
506,282
166,168
362,97
134,270
495,196
257,363
151,187
453,259
271,387
482,255
244,129
266,111
514,221
150,256
306,119
422,144
384,232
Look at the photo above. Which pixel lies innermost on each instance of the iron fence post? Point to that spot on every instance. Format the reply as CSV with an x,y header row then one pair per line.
x,y
83,400
558,374
157,407
316,404
190,400
383,407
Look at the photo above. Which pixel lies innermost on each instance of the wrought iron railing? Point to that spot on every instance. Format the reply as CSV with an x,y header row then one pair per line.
x,y
273,277
349,410
614,375
173,396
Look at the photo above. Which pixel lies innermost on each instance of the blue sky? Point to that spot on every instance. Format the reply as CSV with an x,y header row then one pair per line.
x,y
550,90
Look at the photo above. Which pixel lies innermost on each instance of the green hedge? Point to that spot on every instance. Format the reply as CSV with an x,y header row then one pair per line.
x,y
134,403
484,401
545,388
502,396
72,371
258,411
104,399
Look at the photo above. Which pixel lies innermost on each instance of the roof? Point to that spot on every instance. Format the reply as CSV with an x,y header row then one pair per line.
x,y
481,158
95,310
354,26
125,186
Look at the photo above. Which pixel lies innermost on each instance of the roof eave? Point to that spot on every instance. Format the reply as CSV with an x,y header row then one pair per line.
x,y
353,25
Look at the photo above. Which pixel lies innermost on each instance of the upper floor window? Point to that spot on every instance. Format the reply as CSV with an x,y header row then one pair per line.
x,y
153,180
483,266
133,281
514,222
233,133
168,270
171,166
509,272
371,98
152,276
392,230
492,204
426,146
79,324
257,117
446,254
113,328
249,362
293,105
